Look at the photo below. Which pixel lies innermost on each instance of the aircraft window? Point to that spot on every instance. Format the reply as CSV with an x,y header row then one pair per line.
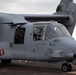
x,y
38,33
64,31
19,36
50,33
57,31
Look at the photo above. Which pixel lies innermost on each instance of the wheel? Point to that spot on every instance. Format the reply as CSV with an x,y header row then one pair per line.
x,y
6,61
65,67
70,67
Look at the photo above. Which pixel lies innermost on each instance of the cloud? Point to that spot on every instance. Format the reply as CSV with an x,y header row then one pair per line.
x,y
29,6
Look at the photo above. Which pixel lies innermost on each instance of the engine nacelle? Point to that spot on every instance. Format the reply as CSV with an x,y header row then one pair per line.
x,y
71,55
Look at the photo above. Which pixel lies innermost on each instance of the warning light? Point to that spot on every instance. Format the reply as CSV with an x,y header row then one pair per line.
x,y
1,52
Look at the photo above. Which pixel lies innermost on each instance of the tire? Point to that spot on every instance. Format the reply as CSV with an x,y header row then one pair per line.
x,y
70,67
6,61
65,67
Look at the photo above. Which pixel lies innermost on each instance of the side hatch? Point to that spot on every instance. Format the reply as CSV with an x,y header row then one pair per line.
x,y
19,45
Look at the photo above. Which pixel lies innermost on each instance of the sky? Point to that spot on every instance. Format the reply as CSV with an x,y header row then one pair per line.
x,y
30,7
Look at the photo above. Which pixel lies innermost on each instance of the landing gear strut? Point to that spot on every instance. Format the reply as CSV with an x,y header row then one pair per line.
x,y
66,67
6,61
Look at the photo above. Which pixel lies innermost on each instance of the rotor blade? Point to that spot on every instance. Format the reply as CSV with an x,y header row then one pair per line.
x,y
7,23
13,24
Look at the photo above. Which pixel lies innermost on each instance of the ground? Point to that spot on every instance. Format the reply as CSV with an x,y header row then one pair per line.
x,y
18,67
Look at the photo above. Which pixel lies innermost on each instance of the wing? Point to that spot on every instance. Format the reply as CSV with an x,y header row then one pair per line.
x,y
12,19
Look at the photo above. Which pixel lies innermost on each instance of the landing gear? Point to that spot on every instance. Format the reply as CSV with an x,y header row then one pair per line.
x,y
66,67
6,61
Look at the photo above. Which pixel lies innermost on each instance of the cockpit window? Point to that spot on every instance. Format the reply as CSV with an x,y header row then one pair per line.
x,y
62,31
56,31
38,33
50,33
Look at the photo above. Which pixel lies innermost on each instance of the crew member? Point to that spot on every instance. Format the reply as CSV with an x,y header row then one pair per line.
x,y
19,35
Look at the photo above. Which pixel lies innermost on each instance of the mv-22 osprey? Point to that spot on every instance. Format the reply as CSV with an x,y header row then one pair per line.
x,y
45,38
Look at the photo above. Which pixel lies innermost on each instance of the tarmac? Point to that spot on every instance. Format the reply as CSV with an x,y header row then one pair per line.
x,y
18,67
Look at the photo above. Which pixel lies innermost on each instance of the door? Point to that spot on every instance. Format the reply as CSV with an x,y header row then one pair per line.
x,y
19,44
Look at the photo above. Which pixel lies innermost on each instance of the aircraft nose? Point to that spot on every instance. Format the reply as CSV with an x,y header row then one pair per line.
x,y
69,43
68,46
